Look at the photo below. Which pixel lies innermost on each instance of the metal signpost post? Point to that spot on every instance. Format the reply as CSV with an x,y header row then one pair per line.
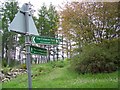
x,y
27,43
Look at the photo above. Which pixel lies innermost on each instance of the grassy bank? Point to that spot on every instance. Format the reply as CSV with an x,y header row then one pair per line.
x,y
57,75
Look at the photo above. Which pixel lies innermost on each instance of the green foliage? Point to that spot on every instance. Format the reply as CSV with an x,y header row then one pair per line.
x,y
47,22
97,58
12,64
89,22
112,46
41,70
47,68
22,39
9,9
6,70
62,78
59,64
23,66
4,62
67,59
0,24
53,20
42,23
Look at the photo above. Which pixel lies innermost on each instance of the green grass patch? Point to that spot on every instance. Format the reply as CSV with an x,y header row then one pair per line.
x,y
57,75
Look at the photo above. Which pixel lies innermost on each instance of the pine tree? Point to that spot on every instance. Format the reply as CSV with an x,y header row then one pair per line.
x,y
47,23
9,9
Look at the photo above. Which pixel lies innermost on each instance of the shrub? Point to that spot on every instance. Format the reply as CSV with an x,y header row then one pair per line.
x,y
41,69
97,58
6,70
23,66
67,59
59,64
4,62
12,63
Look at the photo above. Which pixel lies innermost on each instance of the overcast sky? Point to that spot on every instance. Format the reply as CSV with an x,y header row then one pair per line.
x,y
37,3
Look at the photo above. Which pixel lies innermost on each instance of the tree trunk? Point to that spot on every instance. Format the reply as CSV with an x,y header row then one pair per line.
x,y
3,47
48,54
62,49
0,49
53,53
70,49
67,48
8,57
57,53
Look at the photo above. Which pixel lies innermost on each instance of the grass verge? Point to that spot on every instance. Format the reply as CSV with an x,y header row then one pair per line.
x,y
57,75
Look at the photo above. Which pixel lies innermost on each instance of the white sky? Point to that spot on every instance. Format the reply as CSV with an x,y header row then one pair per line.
x,y
38,3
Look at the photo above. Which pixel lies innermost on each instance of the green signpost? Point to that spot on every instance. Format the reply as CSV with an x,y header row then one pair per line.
x,y
38,50
45,40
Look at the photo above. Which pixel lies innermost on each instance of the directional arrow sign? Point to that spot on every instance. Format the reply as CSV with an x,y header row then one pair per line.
x,y
45,40
38,50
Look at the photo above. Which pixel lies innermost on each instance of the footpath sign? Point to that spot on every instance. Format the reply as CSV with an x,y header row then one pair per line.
x,y
23,23
38,50
45,40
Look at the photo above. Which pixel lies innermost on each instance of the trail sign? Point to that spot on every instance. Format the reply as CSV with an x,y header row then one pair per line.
x,y
24,24
38,50
45,40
